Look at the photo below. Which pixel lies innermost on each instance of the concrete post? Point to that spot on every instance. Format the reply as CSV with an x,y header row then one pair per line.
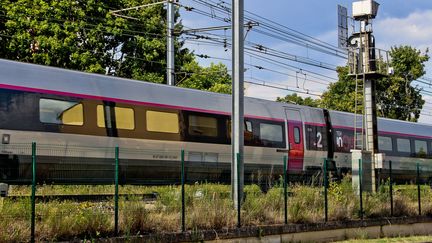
x,y
237,177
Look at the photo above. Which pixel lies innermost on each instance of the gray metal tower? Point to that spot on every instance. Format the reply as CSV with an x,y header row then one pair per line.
x,y
368,63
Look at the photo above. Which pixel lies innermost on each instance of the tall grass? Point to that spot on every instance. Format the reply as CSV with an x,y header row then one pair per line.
x,y
208,206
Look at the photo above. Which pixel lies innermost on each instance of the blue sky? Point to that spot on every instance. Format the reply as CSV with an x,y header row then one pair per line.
x,y
399,22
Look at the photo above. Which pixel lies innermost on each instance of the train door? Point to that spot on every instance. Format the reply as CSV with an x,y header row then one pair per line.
x,y
295,139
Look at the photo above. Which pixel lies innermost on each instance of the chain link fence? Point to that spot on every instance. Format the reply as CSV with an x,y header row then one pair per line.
x,y
83,192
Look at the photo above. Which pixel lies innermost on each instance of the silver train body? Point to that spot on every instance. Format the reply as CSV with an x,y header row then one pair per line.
x,y
77,119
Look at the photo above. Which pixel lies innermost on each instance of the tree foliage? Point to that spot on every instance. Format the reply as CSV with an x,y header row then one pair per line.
x,y
214,78
83,35
298,100
143,57
396,97
340,95
67,34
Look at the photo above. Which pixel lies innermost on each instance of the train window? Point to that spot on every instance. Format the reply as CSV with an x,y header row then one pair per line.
x,y
61,112
385,143
166,122
203,126
100,114
124,117
403,145
248,132
296,135
421,148
248,126
271,132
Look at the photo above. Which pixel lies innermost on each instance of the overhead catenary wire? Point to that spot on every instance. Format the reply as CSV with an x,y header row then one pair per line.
x,y
274,53
225,7
222,19
132,36
269,60
292,57
124,35
290,35
283,84
285,38
280,88
259,67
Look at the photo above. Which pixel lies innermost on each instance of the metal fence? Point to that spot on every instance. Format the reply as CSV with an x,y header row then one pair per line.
x,y
193,199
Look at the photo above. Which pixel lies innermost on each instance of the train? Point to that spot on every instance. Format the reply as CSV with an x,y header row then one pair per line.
x,y
76,119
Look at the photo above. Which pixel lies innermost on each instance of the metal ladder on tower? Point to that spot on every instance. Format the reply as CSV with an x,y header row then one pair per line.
x,y
358,114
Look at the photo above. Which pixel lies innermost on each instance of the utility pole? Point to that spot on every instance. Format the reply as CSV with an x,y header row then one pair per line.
x,y
170,43
237,119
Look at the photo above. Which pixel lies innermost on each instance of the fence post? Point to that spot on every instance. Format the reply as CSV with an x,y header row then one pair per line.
x,y
378,184
285,189
325,190
418,188
361,187
238,193
391,188
33,195
183,192
116,190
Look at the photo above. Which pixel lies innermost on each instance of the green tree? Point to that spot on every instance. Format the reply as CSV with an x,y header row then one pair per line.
x,y
62,33
3,38
340,95
295,99
83,35
395,96
143,55
214,78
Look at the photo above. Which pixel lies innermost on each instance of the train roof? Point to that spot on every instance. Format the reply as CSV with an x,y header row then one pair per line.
x,y
63,81
35,76
386,126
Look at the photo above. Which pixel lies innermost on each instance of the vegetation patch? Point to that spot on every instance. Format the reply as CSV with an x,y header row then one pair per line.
x,y
208,207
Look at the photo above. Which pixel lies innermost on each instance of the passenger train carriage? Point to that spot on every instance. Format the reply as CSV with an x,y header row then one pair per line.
x,y
76,117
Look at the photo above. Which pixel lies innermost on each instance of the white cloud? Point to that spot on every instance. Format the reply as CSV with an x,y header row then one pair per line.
x,y
414,29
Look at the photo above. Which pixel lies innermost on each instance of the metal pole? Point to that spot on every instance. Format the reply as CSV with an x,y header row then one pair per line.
x,y
285,189
371,121
391,188
325,190
33,195
361,187
237,138
238,195
170,42
418,188
116,190
378,184
183,192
